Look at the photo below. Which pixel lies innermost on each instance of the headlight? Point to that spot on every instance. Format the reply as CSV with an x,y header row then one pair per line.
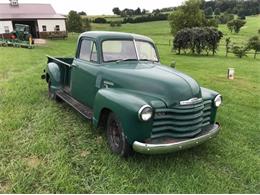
x,y
218,100
145,113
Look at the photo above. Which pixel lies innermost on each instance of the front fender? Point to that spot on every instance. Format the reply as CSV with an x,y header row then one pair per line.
x,y
54,74
126,106
208,94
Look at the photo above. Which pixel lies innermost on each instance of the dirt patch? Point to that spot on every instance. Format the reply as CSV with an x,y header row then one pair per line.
x,y
84,153
40,41
33,162
4,187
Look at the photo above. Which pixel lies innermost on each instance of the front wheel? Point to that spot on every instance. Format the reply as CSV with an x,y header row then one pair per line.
x,y
116,138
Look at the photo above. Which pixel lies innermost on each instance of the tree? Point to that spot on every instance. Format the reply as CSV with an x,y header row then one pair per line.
x,y
82,13
208,11
74,22
217,11
138,11
235,25
86,26
254,44
228,41
186,16
197,40
144,11
116,11
156,12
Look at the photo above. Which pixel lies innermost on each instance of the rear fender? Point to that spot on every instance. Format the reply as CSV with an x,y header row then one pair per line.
x,y
126,106
54,74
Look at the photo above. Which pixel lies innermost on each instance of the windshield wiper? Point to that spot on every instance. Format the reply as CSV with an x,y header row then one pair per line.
x,y
124,60
147,60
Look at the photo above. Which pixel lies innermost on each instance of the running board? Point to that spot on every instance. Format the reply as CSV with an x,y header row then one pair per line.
x,y
82,109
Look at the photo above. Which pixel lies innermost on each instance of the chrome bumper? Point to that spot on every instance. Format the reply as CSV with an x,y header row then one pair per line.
x,y
146,148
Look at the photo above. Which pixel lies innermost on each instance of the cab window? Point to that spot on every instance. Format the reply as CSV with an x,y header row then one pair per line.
x,y
88,51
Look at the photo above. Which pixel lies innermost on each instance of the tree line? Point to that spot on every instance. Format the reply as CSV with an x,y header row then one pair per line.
x,y
241,8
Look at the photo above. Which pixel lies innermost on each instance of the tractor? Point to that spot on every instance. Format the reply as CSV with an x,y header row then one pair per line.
x,y
20,37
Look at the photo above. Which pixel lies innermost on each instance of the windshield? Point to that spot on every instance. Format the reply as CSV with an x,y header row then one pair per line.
x,y
126,50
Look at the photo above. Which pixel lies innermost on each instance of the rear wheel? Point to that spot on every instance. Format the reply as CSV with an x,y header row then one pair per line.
x,y
51,94
116,138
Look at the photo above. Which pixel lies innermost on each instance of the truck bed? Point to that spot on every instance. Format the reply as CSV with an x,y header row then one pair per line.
x,y
61,61
65,65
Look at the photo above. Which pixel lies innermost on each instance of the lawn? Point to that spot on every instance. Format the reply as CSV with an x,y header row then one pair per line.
x,y
47,147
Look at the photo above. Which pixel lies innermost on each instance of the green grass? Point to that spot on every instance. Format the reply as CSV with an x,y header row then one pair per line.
x,y
47,147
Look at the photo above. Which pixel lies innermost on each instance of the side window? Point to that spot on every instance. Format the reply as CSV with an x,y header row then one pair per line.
x,y
88,51
57,28
6,29
44,28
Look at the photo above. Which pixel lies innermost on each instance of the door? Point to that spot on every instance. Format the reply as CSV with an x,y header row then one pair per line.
x,y
84,71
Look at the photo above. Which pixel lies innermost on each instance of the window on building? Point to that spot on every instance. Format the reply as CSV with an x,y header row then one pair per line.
x,y
57,28
44,28
88,51
6,28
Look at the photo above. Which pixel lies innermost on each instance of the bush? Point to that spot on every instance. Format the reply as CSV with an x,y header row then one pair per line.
x,y
239,51
100,20
197,40
148,18
115,23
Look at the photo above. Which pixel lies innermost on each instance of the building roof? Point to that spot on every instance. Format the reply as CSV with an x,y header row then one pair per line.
x,y
28,11
103,35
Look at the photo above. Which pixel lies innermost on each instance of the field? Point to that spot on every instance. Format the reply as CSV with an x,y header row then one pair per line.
x,y
47,147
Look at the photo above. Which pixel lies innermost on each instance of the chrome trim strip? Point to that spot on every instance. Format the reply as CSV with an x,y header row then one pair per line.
x,y
173,147
137,54
191,101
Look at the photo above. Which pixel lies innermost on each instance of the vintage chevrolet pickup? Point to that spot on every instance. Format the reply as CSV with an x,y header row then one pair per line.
x,y
117,81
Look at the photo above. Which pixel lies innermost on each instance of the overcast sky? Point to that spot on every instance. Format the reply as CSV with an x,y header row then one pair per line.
x,y
98,7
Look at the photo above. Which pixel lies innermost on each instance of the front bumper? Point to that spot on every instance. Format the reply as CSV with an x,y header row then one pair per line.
x,y
176,145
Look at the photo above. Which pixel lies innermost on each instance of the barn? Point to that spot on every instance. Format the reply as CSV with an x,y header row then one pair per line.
x,y
44,22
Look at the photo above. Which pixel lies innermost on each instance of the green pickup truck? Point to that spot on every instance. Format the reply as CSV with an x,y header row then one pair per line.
x,y
117,81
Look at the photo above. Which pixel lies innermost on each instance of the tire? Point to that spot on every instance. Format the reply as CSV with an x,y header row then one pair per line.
x,y
116,138
52,95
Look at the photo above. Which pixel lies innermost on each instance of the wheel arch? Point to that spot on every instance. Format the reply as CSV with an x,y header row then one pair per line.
x,y
125,106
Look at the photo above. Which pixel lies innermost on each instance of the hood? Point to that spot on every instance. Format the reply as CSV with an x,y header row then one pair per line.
x,y
155,80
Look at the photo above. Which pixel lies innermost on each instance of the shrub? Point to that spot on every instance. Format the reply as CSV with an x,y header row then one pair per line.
x,y
239,51
115,23
100,20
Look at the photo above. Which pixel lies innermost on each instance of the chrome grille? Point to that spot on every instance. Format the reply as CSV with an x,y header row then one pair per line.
x,y
181,121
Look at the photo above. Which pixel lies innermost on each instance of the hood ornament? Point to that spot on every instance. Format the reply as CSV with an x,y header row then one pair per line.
x,y
191,101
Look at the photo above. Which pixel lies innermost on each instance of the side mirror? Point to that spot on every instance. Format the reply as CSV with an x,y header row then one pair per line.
x,y
173,64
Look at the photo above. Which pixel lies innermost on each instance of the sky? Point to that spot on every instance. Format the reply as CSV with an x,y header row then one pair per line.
x,y
99,7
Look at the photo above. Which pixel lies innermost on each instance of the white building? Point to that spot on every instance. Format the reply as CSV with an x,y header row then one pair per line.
x,y
42,19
